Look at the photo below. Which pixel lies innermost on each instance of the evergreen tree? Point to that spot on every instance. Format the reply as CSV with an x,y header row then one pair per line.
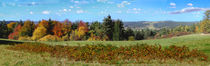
x,y
129,32
96,28
3,29
20,22
116,33
51,26
75,25
108,27
118,30
139,35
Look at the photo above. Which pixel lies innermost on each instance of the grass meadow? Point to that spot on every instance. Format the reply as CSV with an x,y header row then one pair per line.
x,y
19,58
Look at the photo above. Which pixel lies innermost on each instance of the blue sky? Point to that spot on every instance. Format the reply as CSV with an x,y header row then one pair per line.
x,y
96,10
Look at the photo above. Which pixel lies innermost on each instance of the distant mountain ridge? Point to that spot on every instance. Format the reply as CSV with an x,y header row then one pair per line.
x,y
155,24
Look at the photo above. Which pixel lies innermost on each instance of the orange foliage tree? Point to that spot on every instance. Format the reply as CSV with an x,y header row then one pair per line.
x,y
43,23
82,29
27,29
67,27
15,34
11,26
57,29
197,29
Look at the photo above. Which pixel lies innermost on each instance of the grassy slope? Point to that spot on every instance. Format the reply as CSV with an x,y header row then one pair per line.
x,y
194,41
8,57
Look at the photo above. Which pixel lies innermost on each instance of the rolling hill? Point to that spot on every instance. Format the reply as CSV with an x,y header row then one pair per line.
x,y
155,24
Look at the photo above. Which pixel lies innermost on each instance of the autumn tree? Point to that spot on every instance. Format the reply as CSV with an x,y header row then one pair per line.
x,y
57,29
27,29
43,23
205,24
67,27
39,32
11,26
197,29
74,35
82,29
49,25
15,34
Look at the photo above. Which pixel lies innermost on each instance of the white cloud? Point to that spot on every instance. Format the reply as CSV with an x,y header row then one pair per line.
x,y
123,4
31,12
105,1
80,2
76,1
69,9
190,4
134,10
101,0
189,9
65,10
45,12
33,3
173,5
80,11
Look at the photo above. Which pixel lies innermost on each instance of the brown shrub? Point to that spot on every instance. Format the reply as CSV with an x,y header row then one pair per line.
x,y
112,54
50,38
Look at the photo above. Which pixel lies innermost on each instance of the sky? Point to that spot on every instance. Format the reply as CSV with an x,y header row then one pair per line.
x,y
97,10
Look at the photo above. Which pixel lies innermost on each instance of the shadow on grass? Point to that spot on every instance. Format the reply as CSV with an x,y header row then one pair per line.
x,y
5,42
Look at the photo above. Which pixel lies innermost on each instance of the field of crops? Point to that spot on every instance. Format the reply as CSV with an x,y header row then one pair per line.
x,y
19,58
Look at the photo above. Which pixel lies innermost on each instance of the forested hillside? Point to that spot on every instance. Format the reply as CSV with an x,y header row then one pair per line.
x,y
156,24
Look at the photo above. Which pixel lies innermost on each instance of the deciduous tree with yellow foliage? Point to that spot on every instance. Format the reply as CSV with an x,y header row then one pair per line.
x,y
40,32
205,24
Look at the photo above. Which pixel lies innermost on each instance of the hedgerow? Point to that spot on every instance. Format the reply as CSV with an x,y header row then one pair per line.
x,y
112,54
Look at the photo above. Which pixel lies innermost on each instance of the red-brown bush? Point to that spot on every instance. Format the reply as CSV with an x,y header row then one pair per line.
x,y
112,54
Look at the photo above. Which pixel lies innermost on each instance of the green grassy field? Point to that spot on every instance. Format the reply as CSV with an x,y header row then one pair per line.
x,y
16,58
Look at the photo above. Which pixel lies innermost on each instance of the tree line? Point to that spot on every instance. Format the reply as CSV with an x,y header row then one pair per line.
x,y
108,30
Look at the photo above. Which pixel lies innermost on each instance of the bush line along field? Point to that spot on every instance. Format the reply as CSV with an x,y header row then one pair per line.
x,y
140,53
195,41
